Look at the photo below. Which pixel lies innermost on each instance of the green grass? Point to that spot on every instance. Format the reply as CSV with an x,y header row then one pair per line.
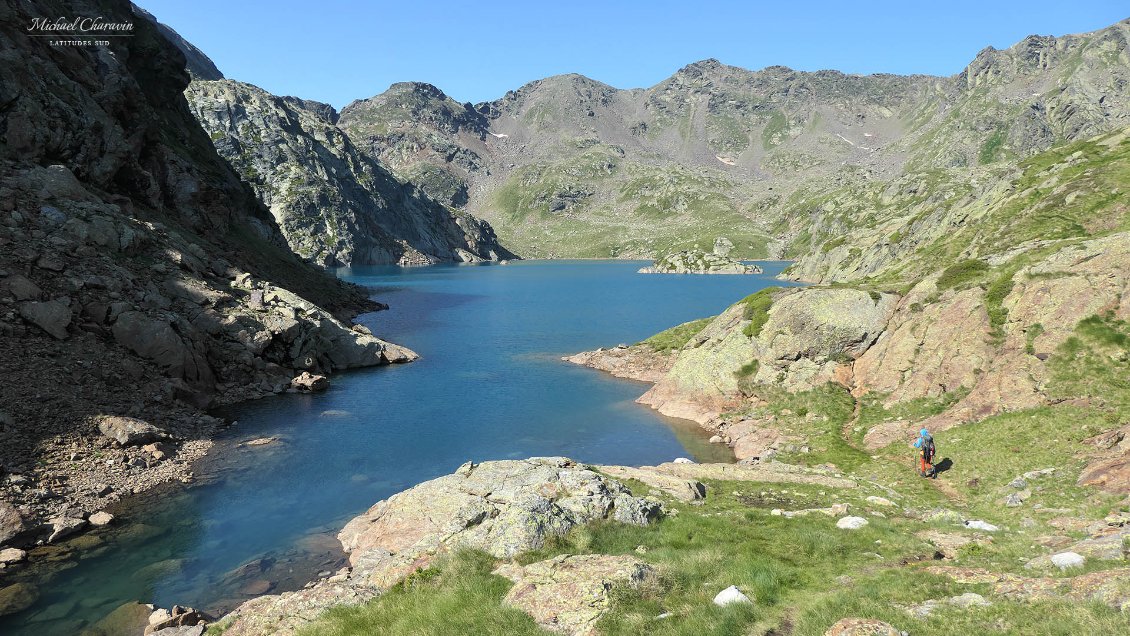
x,y
992,146
1095,362
775,129
962,272
832,244
458,596
757,310
678,336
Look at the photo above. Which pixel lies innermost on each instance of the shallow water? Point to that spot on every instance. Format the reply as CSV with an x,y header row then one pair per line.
x,y
489,385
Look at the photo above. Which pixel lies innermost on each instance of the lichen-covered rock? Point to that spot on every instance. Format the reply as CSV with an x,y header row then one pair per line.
x,y
702,382
861,627
698,262
569,593
927,349
502,508
285,614
1109,587
806,336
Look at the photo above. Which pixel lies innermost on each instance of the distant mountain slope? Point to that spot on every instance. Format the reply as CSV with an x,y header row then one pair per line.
x,y
568,166
335,205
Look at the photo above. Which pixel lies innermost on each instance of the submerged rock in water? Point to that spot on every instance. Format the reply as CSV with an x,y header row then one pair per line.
x,y
17,597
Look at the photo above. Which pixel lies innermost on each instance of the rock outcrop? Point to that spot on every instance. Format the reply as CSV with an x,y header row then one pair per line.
x,y
698,262
568,594
638,362
801,341
335,205
500,507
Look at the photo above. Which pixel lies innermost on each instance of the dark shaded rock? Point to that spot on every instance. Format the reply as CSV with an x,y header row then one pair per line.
x,y
11,522
21,288
158,341
51,316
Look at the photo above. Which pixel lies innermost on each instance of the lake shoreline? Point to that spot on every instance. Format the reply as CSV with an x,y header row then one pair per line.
x,y
79,545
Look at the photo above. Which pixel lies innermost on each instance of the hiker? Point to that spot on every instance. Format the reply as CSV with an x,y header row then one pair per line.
x,y
925,446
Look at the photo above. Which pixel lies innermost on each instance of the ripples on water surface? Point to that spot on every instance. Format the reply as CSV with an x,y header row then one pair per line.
x,y
489,385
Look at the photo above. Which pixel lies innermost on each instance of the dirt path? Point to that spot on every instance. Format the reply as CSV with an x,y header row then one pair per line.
x,y
847,432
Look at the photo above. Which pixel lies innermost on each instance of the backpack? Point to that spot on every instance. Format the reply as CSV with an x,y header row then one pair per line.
x,y
928,448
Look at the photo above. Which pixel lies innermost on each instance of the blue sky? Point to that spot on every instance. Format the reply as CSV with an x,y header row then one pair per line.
x,y
336,51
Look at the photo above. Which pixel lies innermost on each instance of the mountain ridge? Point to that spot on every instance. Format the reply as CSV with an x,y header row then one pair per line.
x,y
773,128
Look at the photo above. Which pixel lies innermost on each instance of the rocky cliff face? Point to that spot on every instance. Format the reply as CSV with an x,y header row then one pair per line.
x,y
197,63
335,205
567,166
138,275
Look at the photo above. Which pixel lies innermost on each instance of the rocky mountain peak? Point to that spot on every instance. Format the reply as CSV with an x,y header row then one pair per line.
x,y
700,67
420,88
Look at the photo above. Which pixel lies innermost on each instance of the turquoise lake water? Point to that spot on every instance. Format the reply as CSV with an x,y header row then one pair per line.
x,y
489,385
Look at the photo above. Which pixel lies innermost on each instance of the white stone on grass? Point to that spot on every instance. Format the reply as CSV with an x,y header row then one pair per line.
x,y
851,523
977,524
1068,560
731,595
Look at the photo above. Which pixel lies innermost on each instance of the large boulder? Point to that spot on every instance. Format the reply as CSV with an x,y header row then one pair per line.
x,y
309,382
158,341
21,288
569,593
52,316
807,334
129,431
502,507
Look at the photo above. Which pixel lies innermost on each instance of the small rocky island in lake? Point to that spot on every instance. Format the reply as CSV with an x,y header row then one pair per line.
x,y
698,262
